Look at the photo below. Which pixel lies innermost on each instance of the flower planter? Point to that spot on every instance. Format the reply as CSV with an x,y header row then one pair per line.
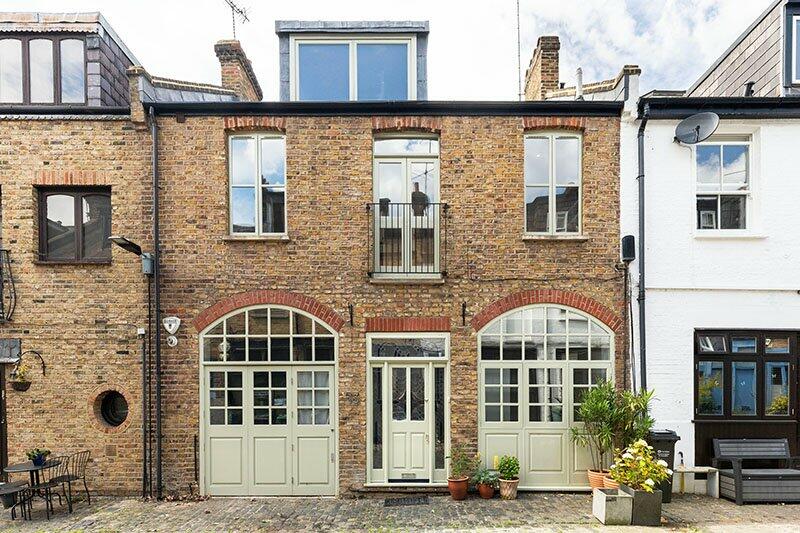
x,y
612,507
508,489
20,386
596,478
39,460
609,483
485,490
646,506
458,487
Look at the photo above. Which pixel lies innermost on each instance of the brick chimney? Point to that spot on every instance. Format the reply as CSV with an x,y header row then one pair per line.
x,y
542,73
237,72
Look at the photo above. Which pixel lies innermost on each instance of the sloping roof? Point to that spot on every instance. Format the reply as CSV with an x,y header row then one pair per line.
x,y
351,26
91,22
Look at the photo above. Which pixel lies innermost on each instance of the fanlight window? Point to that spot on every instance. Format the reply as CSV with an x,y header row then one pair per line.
x,y
268,335
544,333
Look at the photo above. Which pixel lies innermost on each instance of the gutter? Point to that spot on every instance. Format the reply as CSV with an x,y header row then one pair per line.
x,y
156,281
641,296
63,110
569,108
737,107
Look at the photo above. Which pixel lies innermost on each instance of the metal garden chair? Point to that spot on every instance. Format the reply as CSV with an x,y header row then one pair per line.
x,y
75,471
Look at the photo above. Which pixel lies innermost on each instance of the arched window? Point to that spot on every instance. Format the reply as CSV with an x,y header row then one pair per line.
x,y
268,334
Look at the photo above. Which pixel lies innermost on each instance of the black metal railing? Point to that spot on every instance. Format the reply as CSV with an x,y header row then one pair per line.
x,y
407,239
8,293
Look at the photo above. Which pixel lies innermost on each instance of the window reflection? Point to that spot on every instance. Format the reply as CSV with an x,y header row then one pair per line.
x,y
382,71
10,71
73,79
41,70
743,378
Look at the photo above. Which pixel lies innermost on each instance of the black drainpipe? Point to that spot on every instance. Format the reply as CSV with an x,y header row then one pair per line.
x,y
156,281
642,329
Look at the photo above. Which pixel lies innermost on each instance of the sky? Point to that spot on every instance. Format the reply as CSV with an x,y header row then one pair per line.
x,y
472,51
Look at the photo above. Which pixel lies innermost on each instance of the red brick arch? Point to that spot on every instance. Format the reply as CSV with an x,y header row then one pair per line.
x,y
266,297
570,299
554,123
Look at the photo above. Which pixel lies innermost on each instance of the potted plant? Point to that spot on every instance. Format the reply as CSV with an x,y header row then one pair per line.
x,y
19,378
486,481
38,456
597,434
462,466
639,473
508,470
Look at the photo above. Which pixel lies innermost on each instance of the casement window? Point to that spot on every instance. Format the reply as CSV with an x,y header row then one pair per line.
x,y
257,184
75,224
42,70
723,184
553,183
745,375
337,69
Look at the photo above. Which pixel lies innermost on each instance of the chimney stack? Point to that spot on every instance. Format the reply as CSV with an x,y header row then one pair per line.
x,y
542,74
237,72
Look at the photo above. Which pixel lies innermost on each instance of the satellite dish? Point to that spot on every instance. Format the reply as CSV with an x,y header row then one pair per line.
x,y
696,128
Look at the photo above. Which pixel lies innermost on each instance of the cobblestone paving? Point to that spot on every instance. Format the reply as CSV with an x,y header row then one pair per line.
x,y
535,512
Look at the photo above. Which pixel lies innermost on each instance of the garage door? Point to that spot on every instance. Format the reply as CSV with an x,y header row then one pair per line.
x,y
535,364
270,428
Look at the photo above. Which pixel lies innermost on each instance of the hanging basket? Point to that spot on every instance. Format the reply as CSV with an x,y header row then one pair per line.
x,y
20,386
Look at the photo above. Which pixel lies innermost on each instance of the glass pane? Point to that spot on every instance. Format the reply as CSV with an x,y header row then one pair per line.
x,y
236,349
557,348
601,348
216,398
536,395
234,325
490,348
305,416
796,49
324,72
279,417
424,184
279,347
41,75
406,146
398,393
556,320
273,161
555,413
301,324
534,348
279,321
278,398
258,349
711,343
510,376
567,207
776,389
743,345
492,413
568,161
776,345
243,161
243,210
513,323
234,380
537,209
279,380
323,348
534,320
578,324
411,347
391,183
492,395
321,417
60,227
217,330
733,212
234,417
438,417
261,379
304,380
301,349
273,210
492,376
598,375
234,398
580,376
578,347
261,416
512,348
321,380
537,376
304,398
708,167
321,398
535,413
510,413
73,84
537,161
257,321
707,215
391,246
382,71
734,167
10,71
377,418
261,398
417,394
510,395
743,379
217,417
217,380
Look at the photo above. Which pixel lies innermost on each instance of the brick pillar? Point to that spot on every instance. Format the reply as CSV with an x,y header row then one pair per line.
x,y
542,73
136,76
237,72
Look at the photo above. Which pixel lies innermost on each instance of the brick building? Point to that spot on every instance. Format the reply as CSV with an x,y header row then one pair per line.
x,y
405,275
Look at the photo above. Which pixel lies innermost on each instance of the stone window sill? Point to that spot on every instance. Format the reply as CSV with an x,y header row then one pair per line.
x,y
397,279
257,238
570,238
734,235
71,263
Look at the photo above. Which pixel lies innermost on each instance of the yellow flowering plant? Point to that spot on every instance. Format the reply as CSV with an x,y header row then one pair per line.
x,y
638,468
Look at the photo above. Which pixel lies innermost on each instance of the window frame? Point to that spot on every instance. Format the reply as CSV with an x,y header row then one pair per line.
x,y
25,39
258,233
77,194
727,357
352,41
795,52
552,215
722,140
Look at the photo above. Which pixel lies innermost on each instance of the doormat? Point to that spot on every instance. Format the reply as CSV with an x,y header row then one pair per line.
x,y
411,500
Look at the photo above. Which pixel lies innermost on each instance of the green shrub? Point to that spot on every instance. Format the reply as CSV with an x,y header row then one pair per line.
x,y
508,467
462,463
484,476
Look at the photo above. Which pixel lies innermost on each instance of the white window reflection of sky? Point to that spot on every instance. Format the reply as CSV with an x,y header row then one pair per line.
x,y
10,70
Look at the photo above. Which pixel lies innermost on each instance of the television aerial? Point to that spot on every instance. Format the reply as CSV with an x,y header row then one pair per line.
x,y
236,10
696,128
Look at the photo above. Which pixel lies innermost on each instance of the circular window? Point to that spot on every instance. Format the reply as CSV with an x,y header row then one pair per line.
x,y
113,408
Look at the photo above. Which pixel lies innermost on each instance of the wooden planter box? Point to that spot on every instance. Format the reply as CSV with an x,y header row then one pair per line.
x,y
612,507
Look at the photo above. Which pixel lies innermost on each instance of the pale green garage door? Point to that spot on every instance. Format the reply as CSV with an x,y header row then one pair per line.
x,y
268,413
535,363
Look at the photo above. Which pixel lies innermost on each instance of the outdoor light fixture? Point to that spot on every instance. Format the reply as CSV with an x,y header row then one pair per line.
x,y
130,246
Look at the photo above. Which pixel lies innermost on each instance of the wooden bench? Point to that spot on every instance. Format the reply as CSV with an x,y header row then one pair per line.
x,y
756,484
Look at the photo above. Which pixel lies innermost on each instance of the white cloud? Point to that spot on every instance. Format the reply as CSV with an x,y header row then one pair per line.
x,y
472,52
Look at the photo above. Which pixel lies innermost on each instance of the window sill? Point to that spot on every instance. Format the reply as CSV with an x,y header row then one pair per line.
x,y
724,235
263,238
407,279
72,263
544,237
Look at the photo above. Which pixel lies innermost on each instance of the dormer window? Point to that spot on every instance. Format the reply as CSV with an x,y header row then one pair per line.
x,y
340,69
796,49
38,69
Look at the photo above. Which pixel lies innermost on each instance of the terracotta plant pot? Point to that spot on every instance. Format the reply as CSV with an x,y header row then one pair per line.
x,y
508,489
609,483
486,491
596,478
458,487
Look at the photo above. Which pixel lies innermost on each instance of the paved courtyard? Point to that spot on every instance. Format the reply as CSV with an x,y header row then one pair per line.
x,y
541,512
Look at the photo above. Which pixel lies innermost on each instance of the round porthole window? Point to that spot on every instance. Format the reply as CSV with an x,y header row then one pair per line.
x,y
113,408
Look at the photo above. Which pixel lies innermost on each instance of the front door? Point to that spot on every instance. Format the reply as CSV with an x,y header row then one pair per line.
x,y
409,427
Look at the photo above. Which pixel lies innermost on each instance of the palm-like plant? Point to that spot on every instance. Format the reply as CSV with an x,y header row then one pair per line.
x,y
597,414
